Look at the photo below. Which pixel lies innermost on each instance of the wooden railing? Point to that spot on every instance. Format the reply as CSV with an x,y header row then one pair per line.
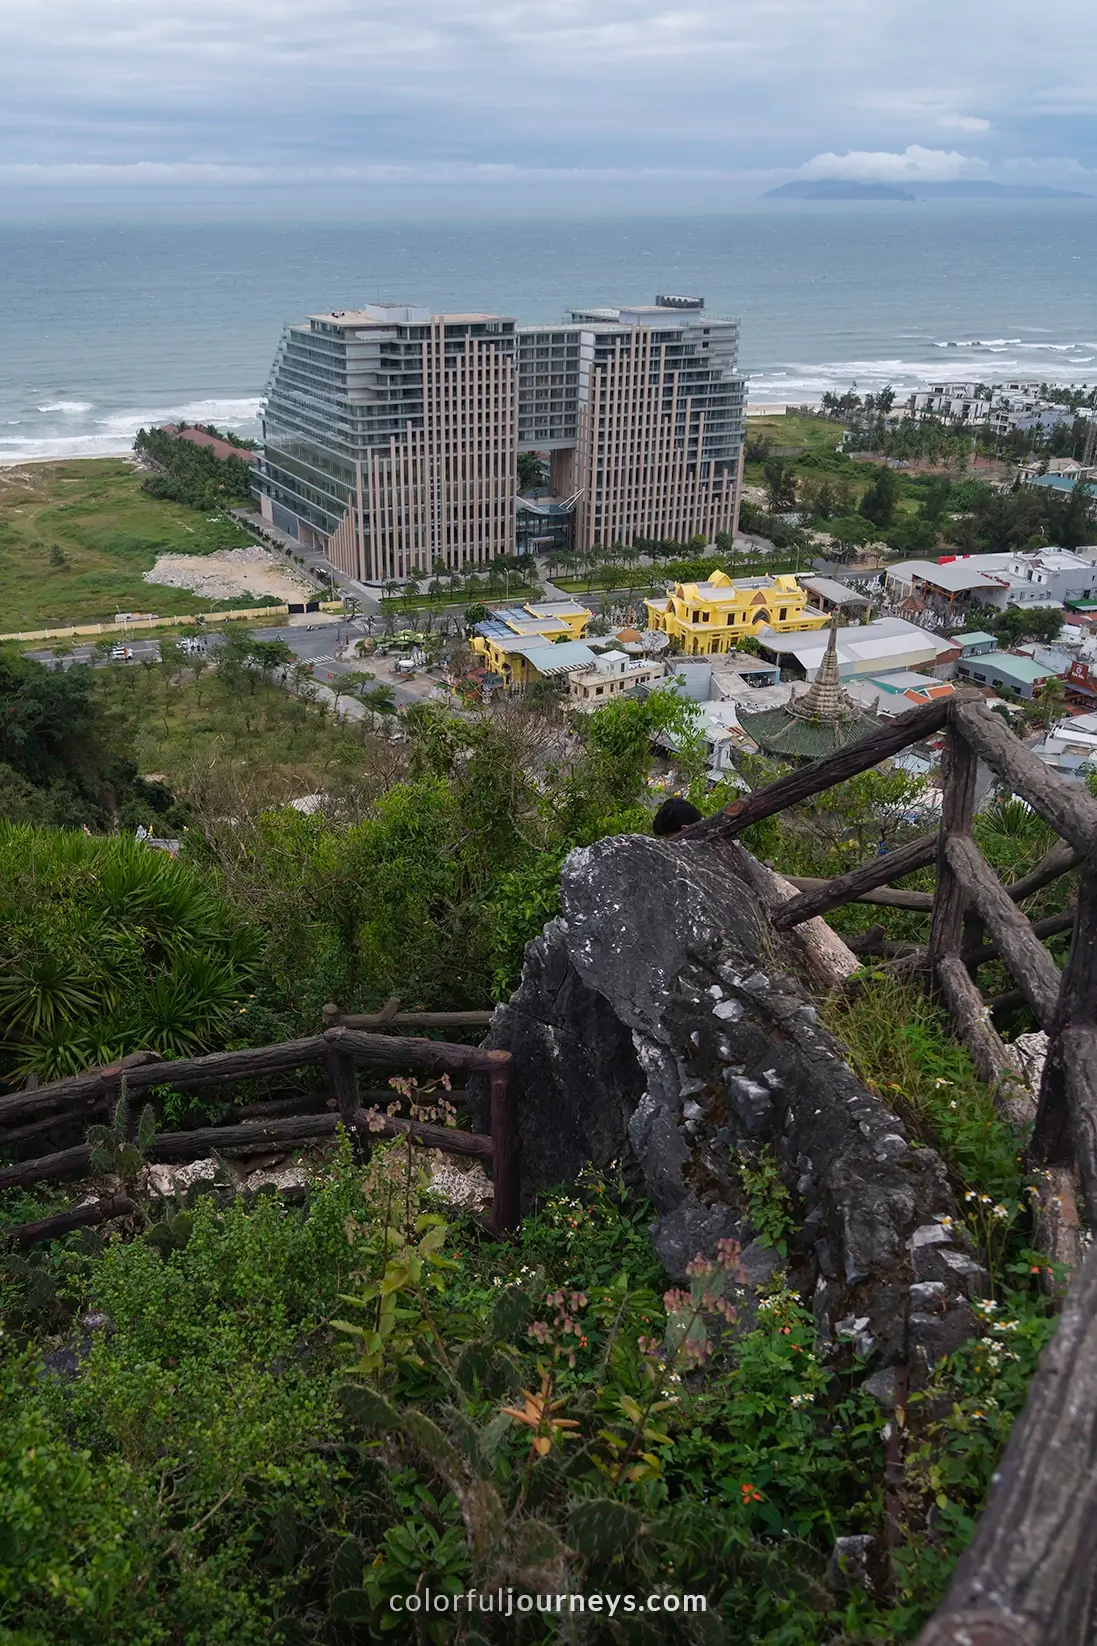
x,y
1029,1575
259,1127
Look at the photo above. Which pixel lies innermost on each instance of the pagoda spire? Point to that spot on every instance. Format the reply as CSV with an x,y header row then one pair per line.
x,y
824,699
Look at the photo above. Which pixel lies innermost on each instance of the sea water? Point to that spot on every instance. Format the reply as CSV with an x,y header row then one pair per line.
x,y
105,326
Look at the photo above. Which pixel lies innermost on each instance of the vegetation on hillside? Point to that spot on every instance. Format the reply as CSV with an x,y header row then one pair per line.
x,y
242,1423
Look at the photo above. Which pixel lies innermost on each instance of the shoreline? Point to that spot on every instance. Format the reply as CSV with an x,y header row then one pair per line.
x,y
74,457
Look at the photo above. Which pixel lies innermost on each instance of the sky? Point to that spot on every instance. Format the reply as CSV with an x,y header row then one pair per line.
x,y
168,96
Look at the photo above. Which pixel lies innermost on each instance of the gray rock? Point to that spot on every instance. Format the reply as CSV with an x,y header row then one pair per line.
x,y
848,1564
662,981
881,1386
691,1231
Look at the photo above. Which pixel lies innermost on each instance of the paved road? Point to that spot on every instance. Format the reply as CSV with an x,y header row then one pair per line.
x,y
313,645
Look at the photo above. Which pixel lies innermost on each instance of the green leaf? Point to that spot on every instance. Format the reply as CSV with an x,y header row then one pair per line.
x,y
366,1407
600,1528
284,1529
146,1128
351,1606
511,1315
346,1568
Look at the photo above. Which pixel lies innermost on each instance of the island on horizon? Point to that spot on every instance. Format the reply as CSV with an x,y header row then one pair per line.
x,y
835,188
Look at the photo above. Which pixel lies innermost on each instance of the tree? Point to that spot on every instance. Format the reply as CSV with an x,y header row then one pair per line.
x,y
1019,623
878,502
780,486
476,613
531,471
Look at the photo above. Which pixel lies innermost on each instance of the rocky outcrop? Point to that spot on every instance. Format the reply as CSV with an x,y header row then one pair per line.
x,y
661,1021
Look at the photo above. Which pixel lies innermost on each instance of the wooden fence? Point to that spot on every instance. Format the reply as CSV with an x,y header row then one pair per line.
x,y
260,1127
1029,1575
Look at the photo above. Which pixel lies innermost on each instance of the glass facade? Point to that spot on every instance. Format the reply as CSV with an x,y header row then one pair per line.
x,y
391,435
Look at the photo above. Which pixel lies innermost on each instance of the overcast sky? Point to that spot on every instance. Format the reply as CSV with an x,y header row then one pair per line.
x,y
300,92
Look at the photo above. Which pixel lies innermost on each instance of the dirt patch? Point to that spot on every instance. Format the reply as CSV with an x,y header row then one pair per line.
x,y
231,572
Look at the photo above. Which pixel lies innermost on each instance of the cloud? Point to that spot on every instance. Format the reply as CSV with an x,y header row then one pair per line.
x,y
914,164
629,86
964,122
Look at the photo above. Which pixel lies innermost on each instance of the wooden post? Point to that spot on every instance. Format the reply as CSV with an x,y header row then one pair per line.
x,y
344,1083
1068,807
1066,1120
958,811
1030,965
846,888
1028,1576
505,1147
844,763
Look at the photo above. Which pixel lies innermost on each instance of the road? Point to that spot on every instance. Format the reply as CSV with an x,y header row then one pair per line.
x,y
310,644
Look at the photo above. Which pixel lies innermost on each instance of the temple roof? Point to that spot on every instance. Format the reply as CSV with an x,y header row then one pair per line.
x,y
823,719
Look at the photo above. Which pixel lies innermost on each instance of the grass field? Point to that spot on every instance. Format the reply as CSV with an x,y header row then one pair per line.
x,y
814,434
76,538
231,748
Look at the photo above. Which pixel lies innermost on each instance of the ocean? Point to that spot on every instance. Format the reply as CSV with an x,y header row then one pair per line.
x,y
105,326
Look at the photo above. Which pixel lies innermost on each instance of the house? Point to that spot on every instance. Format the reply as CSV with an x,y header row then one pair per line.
x,y
832,596
1070,748
713,616
974,642
739,669
613,674
880,647
1005,672
718,727
511,637
890,694
222,449
956,581
1080,682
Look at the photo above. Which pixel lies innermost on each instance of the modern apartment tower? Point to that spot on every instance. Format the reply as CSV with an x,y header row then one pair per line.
x,y
390,439
642,410
391,436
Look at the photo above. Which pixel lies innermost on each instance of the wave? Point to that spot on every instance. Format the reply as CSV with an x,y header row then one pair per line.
x,y
800,382
111,434
987,343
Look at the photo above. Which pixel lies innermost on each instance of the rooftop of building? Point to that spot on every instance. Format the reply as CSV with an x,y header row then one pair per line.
x,y
955,577
827,589
858,643
973,637
564,658
1008,663
400,314
558,608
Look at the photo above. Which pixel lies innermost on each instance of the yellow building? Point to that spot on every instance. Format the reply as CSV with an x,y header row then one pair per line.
x,y
513,638
715,616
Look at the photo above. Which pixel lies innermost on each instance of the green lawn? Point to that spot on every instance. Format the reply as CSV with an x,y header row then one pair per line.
x,y
814,434
76,537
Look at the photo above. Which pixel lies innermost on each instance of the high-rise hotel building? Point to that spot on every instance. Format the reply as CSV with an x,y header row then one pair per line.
x,y
391,436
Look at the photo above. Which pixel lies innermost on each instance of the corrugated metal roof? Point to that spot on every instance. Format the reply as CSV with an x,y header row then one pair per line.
x,y
1005,663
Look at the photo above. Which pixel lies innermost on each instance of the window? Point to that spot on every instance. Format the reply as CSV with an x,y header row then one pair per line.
x,y
705,616
782,615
